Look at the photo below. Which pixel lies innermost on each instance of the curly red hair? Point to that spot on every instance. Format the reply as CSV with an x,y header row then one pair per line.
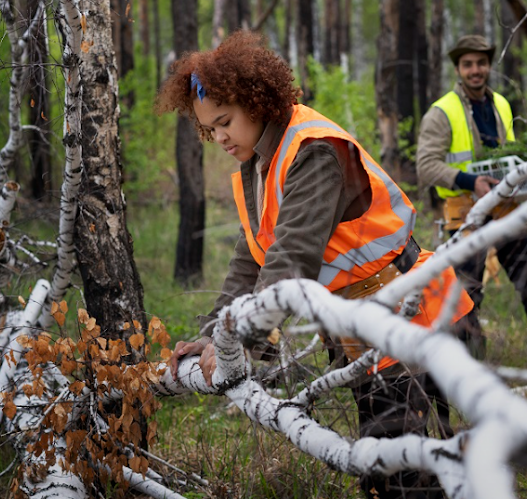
x,y
240,71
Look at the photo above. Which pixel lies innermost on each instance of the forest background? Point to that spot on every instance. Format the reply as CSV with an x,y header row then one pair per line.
x,y
373,67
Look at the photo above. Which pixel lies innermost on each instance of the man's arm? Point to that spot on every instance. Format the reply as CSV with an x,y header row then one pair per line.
x,y
435,137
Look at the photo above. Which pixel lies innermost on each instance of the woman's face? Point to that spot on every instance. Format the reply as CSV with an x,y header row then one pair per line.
x,y
229,126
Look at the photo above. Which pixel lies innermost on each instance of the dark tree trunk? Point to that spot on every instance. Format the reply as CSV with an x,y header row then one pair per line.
x,y
479,17
305,43
244,8
421,57
262,15
218,18
189,156
520,10
41,171
145,27
115,7
113,290
237,14
512,64
405,63
286,49
386,86
345,32
436,53
123,42
157,41
332,33
406,85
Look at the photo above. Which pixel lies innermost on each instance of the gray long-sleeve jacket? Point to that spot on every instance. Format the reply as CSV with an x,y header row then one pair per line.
x,y
435,137
325,185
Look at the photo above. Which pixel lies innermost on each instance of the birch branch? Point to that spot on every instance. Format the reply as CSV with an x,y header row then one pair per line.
x,y
509,40
504,191
493,233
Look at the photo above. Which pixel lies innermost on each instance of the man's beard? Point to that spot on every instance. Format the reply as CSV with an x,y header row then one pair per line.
x,y
476,86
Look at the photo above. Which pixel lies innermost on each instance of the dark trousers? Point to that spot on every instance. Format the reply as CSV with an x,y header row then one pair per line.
x,y
404,408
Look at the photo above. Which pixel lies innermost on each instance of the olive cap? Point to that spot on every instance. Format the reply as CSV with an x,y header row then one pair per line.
x,y
471,43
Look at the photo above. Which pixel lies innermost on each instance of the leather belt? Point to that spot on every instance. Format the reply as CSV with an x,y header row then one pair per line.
x,y
400,265
352,347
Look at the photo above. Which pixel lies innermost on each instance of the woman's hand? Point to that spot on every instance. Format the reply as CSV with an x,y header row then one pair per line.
x,y
182,349
207,362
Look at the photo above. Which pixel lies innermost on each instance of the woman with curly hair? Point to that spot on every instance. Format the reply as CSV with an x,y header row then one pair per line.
x,y
312,204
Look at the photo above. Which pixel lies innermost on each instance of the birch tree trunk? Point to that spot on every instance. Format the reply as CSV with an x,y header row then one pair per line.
x,y
73,168
113,291
189,156
386,87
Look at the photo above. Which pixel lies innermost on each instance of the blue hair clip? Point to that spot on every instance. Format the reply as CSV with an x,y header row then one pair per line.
x,y
194,81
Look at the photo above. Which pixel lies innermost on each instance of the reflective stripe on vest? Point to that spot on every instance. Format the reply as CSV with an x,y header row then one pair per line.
x,y
462,146
377,248
358,248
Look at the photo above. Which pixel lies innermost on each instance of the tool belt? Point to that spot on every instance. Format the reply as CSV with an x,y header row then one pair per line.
x,y
503,209
354,348
456,209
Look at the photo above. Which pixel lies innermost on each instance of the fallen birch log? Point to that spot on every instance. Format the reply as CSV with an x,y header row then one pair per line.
x,y
473,464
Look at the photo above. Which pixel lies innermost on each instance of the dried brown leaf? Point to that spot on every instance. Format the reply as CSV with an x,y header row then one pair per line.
x,y
9,410
137,340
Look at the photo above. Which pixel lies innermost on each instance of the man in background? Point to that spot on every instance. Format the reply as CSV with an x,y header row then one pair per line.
x,y
455,132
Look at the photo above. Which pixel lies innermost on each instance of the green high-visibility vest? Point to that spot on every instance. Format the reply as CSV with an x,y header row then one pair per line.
x,y
461,151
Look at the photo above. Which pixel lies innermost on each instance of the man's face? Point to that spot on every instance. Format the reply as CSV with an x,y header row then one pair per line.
x,y
474,69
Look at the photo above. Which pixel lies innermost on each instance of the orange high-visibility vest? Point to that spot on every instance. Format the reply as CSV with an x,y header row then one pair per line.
x,y
358,248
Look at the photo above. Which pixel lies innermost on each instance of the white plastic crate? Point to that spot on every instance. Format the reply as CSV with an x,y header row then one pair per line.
x,y
498,168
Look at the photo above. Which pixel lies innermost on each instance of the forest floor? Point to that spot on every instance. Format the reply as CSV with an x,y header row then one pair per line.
x,y
207,435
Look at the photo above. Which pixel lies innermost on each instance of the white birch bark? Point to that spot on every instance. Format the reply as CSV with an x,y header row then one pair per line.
x,y
25,326
8,260
73,168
